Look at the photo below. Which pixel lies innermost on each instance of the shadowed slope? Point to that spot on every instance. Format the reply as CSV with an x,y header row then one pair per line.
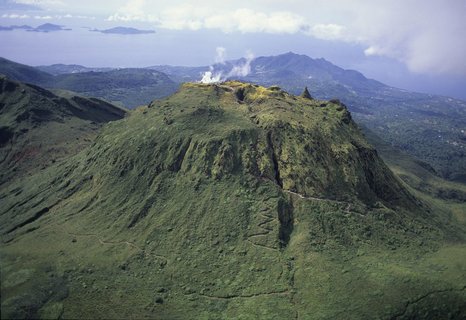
x,y
38,127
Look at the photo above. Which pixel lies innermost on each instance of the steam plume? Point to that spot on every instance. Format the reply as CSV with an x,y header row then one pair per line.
x,y
211,77
241,69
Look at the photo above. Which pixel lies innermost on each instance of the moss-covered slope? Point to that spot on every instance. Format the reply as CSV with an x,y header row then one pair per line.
x,y
38,127
227,201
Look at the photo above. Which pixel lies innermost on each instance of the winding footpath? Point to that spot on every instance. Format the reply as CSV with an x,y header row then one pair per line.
x,y
127,243
347,209
252,295
265,230
101,241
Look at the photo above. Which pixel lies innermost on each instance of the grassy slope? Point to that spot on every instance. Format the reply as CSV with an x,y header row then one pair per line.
x,y
417,174
425,126
423,182
39,128
181,211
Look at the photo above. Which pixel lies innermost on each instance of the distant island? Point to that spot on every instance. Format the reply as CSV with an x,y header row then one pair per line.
x,y
47,27
124,30
11,28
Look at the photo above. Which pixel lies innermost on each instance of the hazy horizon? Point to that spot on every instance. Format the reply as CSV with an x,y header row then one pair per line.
x,y
410,45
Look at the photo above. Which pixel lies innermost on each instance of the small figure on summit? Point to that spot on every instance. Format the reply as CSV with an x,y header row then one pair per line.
x,y
306,94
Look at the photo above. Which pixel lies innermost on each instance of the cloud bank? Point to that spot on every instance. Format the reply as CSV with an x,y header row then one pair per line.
x,y
425,35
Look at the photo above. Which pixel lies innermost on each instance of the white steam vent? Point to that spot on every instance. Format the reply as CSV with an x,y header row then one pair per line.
x,y
241,69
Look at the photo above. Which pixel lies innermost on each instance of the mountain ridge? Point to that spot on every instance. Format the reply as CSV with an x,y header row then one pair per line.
x,y
427,127
423,125
38,127
128,87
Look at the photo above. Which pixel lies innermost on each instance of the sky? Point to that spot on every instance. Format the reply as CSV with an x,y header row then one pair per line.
x,y
417,45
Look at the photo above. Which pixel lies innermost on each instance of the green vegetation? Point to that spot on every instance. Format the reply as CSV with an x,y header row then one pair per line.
x,y
38,128
24,73
417,174
429,127
425,126
228,201
128,88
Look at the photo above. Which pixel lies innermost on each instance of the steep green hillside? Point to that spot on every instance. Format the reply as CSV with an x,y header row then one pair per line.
x,y
422,179
228,201
37,127
426,126
431,128
24,73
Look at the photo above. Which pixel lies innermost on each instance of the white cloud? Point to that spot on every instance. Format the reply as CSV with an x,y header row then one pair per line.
x,y
329,31
373,51
188,16
15,16
133,10
42,3
239,20
43,17
428,36
276,22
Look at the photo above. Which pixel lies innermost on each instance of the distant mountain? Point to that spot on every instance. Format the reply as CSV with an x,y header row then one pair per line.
x,y
56,69
228,201
47,27
124,30
38,128
24,27
426,126
24,73
11,28
290,67
125,87
181,74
